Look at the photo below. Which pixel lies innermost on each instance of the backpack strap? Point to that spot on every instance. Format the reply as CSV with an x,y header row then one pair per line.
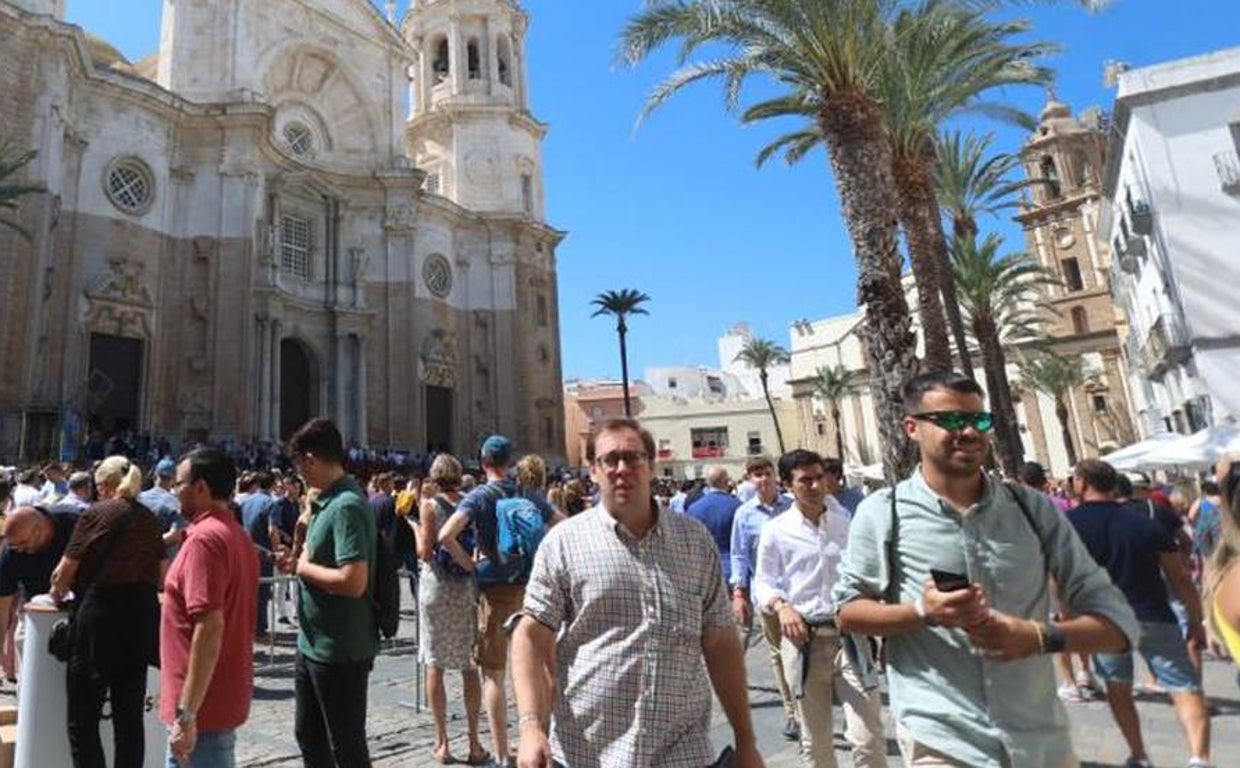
x,y
1032,521
891,548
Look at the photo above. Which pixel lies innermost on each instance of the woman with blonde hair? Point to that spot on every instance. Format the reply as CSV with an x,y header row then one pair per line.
x,y
1222,576
532,473
446,597
113,564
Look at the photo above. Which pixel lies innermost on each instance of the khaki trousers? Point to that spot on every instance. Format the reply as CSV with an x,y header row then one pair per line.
x,y
770,631
830,670
917,755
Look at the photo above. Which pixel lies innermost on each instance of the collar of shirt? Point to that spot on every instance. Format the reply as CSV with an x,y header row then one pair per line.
x,y
983,502
612,523
799,561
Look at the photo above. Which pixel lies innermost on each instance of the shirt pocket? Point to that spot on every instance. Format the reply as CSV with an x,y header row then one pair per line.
x,y
682,613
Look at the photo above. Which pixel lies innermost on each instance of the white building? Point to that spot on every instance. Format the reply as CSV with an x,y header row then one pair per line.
x,y
730,345
1172,215
697,383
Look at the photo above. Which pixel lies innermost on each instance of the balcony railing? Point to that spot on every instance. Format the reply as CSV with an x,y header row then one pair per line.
x,y
708,451
1167,344
1227,165
1142,218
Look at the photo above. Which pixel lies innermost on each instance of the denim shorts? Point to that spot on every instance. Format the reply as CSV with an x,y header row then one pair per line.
x,y
1163,648
215,749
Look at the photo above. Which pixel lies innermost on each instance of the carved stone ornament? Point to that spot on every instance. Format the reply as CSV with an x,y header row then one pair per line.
x,y
359,260
439,359
399,218
119,304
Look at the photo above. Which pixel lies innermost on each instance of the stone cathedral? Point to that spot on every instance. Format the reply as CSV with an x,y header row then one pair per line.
x,y
292,208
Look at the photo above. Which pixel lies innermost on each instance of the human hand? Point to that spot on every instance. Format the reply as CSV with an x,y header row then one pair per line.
x,y
58,588
962,608
792,625
741,609
181,741
533,751
302,561
1006,638
1196,636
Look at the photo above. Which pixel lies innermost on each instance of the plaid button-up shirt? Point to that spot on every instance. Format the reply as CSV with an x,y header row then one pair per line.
x,y
632,686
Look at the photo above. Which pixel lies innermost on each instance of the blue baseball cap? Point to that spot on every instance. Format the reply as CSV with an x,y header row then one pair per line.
x,y
496,450
166,468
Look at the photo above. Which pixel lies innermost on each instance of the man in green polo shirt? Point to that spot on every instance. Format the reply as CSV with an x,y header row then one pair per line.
x,y
338,636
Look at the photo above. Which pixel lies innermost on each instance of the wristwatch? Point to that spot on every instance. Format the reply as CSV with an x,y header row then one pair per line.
x,y
185,716
926,619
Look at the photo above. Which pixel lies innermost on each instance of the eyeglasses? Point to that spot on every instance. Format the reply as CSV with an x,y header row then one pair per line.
x,y
630,458
955,421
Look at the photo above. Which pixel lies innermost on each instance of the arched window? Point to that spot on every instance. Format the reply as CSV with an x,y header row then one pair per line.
x,y
504,54
1080,320
1050,175
474,59
440,66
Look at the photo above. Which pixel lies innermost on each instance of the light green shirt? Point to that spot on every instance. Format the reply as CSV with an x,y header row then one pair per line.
x,y
944,692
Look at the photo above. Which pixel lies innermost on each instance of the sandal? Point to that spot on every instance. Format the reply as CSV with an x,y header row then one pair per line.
x,y
444,758
479,758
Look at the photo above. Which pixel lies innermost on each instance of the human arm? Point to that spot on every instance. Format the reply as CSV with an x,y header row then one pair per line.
x,y
448,539
1176,571
428,520
742,569
63,577
354,536
770,588
204,652
725,663
533,661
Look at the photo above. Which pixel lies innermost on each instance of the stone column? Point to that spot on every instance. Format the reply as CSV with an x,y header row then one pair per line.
x,y
340,408
459,62
262,426
360,411
426,75
273,425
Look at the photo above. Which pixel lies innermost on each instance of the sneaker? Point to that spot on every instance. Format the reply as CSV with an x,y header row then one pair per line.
x,y
1070,694
1133,762
1197,762
1088,686
792,730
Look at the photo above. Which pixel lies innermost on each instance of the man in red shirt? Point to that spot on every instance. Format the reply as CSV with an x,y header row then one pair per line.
x,y
207,625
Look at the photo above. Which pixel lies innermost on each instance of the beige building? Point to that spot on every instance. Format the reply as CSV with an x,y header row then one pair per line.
x,y
693,434
292,208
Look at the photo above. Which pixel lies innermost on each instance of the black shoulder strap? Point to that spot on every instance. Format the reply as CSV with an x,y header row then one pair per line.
x,y
891,547
1033,523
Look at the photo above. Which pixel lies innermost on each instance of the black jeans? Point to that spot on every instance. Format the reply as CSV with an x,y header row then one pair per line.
x,y
125,688
330,719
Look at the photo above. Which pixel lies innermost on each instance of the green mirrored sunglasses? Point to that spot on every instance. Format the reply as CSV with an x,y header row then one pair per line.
x,y
954,421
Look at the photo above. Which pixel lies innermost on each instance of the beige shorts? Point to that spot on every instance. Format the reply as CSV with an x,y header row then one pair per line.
x,y
496,603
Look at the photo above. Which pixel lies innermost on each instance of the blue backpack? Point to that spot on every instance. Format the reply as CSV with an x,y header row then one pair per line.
x,y
519,529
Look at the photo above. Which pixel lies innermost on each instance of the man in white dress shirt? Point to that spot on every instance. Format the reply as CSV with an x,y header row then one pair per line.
x,y
798,554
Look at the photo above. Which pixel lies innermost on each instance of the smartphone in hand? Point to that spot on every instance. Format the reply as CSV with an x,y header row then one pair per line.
x,y
946,581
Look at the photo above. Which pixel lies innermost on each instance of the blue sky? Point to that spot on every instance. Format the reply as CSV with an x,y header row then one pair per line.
x,y
677,208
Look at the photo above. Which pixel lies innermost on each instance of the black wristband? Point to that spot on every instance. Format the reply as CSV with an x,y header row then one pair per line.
x,y
1056,640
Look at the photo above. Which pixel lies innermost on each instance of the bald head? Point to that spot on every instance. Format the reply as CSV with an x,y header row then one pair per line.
x,y
26,529
717,477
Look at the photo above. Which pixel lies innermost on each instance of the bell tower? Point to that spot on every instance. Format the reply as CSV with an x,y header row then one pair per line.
x,y
469,126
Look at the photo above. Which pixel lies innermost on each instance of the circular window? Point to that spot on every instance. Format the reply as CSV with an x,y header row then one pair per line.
x,y
130,185
438,275
300,140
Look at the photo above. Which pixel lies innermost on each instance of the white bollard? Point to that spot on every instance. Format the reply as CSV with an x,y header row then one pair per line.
x,y
42,721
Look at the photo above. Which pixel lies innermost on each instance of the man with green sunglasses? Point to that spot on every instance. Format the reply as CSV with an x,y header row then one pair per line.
x,y
974,639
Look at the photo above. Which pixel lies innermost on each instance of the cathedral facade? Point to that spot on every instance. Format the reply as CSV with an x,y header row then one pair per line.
x,y
293,208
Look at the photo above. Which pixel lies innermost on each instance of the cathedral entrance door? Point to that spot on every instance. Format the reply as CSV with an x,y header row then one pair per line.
x,y
297,387
438,418
114,383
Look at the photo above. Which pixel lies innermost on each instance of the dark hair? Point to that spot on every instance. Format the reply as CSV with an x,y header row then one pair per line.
x,y
1100,476
798,459
756,463
1209,488
1031,473
297,481
617,424
264,479
215,468
916,388
321,439
6,489
1123,486
833,466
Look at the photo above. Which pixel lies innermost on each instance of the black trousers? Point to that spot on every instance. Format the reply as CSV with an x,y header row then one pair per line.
x,y
330,720
125,688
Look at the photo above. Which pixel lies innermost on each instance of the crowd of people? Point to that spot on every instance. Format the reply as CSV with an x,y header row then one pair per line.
x,y
613,600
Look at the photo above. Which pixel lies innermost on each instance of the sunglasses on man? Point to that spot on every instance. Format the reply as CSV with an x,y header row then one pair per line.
x,y
956,421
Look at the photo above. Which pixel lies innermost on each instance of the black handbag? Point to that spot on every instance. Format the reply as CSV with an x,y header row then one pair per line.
x,y
60,641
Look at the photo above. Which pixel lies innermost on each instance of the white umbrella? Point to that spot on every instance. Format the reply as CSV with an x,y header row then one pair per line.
x,y
1198,450
1128,458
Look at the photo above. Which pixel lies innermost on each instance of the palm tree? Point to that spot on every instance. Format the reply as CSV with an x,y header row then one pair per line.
x,y
833,383
825,55
621,304
11,162
970,180
1056,376
763,355
1002,297
943,69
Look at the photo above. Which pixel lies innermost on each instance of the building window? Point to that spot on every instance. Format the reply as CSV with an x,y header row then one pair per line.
x,y
1050,178
296,243
715,385
504,55
544,356
299,139
1100,404
527,193
130,185
475,61
1080,320
542,310
440,66
709,442
754,443
822,428
1072,274
596,413
671,382
431,184
437,274
665,448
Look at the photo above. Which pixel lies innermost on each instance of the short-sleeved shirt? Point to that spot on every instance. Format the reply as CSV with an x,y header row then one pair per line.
x,y
479,509
337,629
629,615
256,515
215,569
167,507
31,572
117,541
1128,544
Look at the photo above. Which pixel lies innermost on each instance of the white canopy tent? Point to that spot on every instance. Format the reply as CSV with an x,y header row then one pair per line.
x,y
1196,451
1130,456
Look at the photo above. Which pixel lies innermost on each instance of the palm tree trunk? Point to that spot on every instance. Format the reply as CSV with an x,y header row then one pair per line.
x,y
918,216
766,392
1061,412
1009,448
839,432
852,126
624,367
